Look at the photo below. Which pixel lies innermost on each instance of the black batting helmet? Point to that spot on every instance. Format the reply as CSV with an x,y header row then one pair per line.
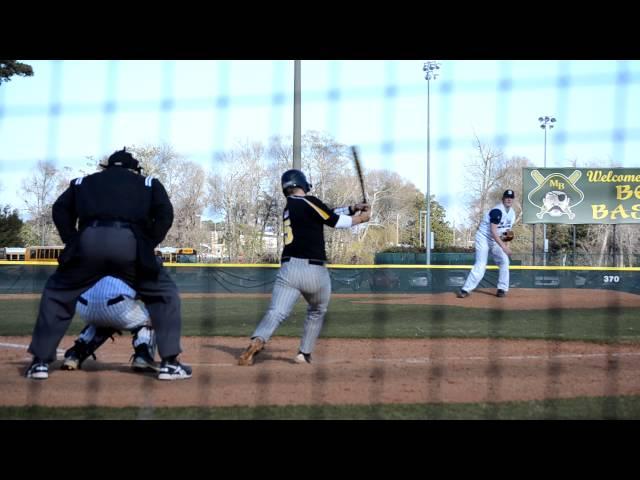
x,y
294,178
122,158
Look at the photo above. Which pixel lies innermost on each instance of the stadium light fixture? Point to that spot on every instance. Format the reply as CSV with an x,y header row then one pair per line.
x,y
430,69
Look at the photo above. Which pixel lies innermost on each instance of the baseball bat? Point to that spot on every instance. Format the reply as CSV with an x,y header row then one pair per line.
x,y
356,161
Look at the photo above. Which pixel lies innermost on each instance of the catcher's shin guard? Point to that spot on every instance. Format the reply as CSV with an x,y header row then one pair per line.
x,y
144,345
90,339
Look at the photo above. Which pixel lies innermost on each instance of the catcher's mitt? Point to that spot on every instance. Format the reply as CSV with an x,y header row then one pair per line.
x,y
507,236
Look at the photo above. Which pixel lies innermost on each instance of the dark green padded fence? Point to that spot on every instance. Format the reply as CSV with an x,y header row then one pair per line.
x,y
22,278
557,259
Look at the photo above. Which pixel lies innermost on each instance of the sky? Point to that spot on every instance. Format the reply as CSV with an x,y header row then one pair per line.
x,y
70,110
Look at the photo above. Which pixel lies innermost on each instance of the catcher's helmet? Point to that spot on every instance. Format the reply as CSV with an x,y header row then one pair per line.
x,y
122,158
294,178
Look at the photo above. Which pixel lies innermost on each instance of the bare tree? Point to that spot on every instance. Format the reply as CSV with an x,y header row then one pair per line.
x,y
236,193
245,190
280,158
39,192
483,176
488,176
627,241
162,162
188,199
325,162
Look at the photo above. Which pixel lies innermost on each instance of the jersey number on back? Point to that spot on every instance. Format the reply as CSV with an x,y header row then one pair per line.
x,y
288,232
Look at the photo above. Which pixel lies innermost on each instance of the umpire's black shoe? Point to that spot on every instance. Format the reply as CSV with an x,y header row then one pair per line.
x,y
462,294
38,370
500,293
173,370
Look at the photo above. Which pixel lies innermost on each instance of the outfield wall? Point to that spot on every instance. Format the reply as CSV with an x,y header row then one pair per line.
x,y
24,277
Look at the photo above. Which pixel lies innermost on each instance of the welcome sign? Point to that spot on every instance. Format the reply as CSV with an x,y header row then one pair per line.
x,y
581,195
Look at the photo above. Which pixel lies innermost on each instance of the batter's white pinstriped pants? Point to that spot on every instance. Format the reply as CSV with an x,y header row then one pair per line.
x,y
297,277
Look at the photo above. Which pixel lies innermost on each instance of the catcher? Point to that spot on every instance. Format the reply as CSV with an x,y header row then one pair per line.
x,y
107,308
493,235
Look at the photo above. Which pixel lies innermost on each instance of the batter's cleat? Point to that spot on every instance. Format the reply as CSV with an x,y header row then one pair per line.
x,y
302,358
38,370
173,370
256,345
142,361
500,293
462,294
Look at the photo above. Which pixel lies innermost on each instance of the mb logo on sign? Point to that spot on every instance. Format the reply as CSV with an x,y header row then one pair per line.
x,y
555,194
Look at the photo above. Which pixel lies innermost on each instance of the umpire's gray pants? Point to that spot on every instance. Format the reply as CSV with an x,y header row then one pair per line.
x,y
294,278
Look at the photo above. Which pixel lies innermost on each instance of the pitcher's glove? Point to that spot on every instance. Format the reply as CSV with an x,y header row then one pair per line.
x,y
507,236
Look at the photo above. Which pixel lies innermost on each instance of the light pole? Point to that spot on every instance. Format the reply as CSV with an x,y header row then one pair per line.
x,y
430,72
546,123
297,131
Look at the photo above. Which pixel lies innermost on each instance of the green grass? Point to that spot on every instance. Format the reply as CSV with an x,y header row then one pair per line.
x,y
238,317
598,408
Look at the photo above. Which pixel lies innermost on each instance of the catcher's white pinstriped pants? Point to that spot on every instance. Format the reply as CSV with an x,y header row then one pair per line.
x,y
483,246
297,277
124,314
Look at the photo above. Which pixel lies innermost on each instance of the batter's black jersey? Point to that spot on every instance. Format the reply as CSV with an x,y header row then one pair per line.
x,y
304,218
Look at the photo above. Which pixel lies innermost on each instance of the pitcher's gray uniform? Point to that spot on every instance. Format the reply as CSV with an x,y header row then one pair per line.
x,y
303,270
504,218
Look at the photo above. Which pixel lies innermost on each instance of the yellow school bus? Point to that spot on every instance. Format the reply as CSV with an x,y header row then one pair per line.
x,y
43,254
177,255
13,254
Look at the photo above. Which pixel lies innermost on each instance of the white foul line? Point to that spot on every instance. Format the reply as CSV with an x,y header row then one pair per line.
x,y
509,357
23,347
413,360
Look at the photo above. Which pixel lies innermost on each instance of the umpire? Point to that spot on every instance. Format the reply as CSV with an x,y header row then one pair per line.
x,y
121,217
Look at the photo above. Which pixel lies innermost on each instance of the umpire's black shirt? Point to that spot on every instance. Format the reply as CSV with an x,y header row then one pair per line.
x,y
114,194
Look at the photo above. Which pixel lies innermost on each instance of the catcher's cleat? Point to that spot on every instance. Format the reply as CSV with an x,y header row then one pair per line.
x,y
38,370
462,294
252,350
142,361
500,293
76,355
71,362
90,339
302,358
